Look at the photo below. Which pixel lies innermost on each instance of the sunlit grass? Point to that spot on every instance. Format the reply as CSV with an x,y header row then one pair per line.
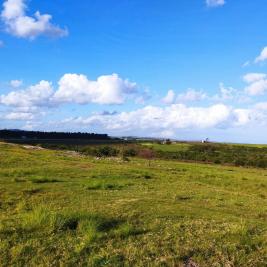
x,y
114,213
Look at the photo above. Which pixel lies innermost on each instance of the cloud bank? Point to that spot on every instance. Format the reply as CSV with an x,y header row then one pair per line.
x,y
219,111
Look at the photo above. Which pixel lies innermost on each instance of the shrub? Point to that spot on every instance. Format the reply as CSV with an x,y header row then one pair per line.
x,y
106,151
131,152
217,161
147,154
240,162
261,163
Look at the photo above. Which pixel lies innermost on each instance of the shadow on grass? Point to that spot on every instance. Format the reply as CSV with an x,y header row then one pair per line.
x,y
44,180
32,191
105,185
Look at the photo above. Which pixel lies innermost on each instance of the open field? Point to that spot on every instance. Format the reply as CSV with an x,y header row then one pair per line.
x,y
60,208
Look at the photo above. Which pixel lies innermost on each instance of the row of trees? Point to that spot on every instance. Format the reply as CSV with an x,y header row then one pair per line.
x,y
17,134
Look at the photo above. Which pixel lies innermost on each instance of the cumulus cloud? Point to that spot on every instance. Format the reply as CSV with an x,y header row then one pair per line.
x,y
72,88
261,106
169,98
34,96
215,3
16,83
107,89
257,83
20,25
254,77
263,56
19,116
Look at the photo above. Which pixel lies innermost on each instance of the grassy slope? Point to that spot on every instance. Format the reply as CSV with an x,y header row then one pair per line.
x,y
59,208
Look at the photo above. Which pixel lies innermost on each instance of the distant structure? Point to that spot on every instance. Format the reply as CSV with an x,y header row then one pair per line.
x,y
166,142
204,141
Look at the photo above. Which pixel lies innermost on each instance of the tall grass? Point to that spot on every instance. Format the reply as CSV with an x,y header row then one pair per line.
x,y
89,225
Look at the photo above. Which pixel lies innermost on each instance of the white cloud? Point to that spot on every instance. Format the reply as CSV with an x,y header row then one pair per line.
x,y
19,116
215,3
226,93
1,43
257,88
142,97
263,56
191,95
230,94
246,64
107,89
19,24
72,88
167,121
16,83
34,96
32,102
261,106
242,116
169,98
257,83
254,77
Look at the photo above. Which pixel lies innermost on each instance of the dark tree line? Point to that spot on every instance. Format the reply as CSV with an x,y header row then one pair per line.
x,y
14,134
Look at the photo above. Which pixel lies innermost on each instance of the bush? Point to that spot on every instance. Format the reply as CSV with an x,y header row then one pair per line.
x,y
261,163
240,162
106,151
131,152
217,161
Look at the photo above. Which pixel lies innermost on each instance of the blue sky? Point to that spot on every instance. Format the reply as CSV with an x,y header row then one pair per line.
x,y
186,69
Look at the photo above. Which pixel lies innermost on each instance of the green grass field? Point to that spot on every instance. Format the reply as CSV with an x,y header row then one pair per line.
x,y
168,148
62,209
